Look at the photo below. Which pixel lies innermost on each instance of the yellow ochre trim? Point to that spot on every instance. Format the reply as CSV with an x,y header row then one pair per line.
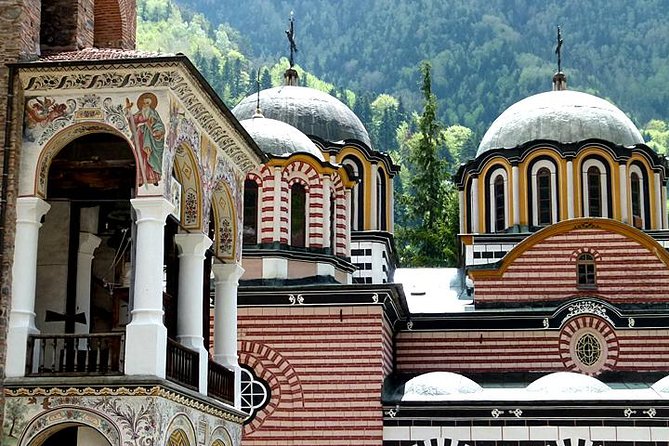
x,y
614,180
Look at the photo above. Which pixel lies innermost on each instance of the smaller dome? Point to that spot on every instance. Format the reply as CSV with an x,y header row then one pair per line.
x,y
563,116
662,386
278,138
435,385
567,383
313,112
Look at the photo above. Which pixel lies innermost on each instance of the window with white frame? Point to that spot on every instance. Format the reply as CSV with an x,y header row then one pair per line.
x,y
499,201
594,189
637,197
544,193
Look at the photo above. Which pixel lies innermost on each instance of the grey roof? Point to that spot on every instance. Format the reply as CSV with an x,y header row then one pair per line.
x,y
313,112
564,116
278,138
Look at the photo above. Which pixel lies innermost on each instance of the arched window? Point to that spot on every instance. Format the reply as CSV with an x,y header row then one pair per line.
x,y
639,197
357,193
298,217
594,192
500,212
333,223
544,197
585,271
498,200
381,200
250,212
595,188
635,183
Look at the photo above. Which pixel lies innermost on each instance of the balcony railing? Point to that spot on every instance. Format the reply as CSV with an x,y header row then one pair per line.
x,y
221,383
182,364
75,354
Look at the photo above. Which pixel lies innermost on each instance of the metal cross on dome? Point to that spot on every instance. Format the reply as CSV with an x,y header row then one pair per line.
x,y
290,33
558,49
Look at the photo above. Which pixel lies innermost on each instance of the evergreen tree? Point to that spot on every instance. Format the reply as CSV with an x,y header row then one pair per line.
x,y
265,79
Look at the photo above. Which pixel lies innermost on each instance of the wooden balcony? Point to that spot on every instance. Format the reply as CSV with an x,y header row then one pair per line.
x,y
221,383
183,365
75,354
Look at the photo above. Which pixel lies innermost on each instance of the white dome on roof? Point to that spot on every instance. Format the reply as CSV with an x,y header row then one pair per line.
x,y
278,138
567,383
564,116
438,384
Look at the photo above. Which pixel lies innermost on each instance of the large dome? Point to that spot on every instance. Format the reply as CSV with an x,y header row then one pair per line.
x,y
311,111
564,116
278,138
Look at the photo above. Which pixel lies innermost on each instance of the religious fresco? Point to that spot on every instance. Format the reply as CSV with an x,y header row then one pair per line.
x,y
125,417
148,136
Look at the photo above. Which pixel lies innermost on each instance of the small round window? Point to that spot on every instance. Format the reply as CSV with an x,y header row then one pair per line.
x,y
588,349
255,393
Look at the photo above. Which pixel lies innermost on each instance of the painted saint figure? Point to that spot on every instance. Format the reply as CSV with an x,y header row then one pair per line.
x,y
148,132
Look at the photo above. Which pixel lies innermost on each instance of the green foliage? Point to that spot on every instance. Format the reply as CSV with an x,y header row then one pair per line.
x,y
656,134
424,233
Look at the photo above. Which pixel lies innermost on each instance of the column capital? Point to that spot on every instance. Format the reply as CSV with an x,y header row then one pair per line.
x,y
151,208
88,243
31,209
227,272
192,244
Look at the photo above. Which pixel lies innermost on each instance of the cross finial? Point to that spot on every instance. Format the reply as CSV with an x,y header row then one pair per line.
x,y
558,49
290,33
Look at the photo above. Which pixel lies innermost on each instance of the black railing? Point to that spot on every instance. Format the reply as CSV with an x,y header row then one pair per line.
x,y
75,354
182,364
221,383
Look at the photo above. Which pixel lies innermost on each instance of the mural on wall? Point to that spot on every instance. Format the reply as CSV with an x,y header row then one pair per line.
x,y
148,135
126,417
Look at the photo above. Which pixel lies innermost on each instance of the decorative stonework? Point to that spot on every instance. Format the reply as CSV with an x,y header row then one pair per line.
x,y
586,307
588,344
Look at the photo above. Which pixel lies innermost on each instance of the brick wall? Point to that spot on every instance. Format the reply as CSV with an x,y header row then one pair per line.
x,y
325,366
115,24
627,271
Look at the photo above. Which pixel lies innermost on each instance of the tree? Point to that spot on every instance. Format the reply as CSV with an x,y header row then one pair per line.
x,y
427,237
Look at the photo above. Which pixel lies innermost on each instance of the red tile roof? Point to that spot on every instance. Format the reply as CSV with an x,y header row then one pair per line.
x,y
99,54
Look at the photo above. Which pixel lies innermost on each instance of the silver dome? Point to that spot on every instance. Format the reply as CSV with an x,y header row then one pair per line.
x,y
278,138
563,116
311,111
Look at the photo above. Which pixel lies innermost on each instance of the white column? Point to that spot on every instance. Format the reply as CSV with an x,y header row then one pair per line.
x,y
146,336
226,280
373,205
29,212
516,194
570,190
658,201
461,205
276,218
190,308
87,245
391,200
475,205
327,211
624,205
664,208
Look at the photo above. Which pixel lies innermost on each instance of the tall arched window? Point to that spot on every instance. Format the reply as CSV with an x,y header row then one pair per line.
x,y
639,197
357,193
635,183
497,198
594,192
250,236
595,188
381,200
585,271
333,223
544,197
498,191
298,217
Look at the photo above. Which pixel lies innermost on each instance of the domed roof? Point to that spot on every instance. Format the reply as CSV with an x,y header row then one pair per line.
x,y
313,112
438,384
278,138
567,383
564,116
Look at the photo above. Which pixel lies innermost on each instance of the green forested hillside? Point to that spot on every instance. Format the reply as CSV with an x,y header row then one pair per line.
x,y
486,54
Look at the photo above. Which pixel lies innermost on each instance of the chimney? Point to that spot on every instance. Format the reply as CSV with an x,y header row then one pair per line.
x,y
559,81
290,77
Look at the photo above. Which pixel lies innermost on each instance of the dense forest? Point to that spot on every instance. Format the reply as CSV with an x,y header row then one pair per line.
x,y
484,55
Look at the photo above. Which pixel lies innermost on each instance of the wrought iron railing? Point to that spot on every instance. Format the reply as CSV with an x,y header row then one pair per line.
x,y
75,354
182,364
221,383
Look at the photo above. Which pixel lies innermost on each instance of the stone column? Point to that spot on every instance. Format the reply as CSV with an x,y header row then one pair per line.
x,y
226,280
663,208
475,205
29,212
515,181
570,190
624,205
327,212
373,204
189,312
461,205
146,336
347,195
658,201
88,243
276,218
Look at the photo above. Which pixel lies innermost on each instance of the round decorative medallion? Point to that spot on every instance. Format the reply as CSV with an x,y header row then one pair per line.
x,y
588,345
